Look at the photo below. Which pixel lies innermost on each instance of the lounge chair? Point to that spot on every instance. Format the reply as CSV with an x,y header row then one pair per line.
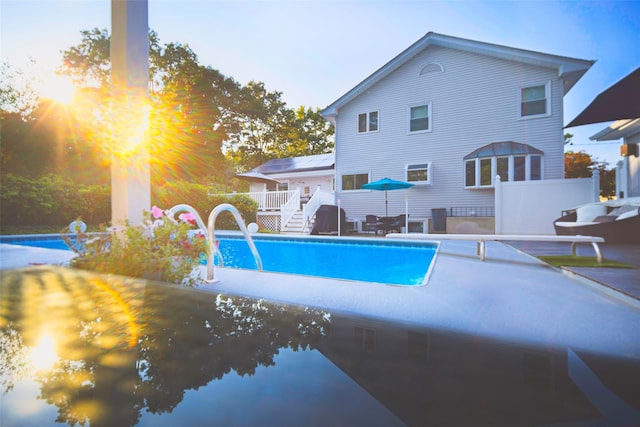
x,y
618,221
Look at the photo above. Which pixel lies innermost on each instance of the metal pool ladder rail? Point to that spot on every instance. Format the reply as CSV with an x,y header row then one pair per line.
x,y
210,230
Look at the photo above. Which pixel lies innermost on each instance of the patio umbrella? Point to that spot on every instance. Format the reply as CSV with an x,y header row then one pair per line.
x,y
618,102
256,177
386,184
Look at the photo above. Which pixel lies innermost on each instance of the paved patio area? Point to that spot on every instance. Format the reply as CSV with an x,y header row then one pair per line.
x,y
621,279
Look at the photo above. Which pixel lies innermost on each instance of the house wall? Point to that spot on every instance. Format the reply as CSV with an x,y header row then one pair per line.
x,y
300,181
475,101
633,178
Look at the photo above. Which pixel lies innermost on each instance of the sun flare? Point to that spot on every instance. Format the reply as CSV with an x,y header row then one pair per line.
x,y
43,355
59,89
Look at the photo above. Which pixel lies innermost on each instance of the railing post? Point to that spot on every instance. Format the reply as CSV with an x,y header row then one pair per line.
x,y
498,205
596,185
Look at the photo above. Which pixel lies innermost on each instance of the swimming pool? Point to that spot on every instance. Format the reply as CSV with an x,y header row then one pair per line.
x,y
380,261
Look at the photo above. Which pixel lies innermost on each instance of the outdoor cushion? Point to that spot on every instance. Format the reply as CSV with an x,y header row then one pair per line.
x,y
629,214
623,209
605,218
574,224
588,212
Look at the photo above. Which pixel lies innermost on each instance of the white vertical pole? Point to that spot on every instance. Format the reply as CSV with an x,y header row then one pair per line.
x,y
406,215
339,217
130,171
596,185
497,205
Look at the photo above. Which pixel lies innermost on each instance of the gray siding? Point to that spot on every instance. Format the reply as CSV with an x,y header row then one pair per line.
x,y
475,101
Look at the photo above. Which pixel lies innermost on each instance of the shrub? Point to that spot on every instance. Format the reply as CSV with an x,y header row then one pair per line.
x,y
161,248
200,198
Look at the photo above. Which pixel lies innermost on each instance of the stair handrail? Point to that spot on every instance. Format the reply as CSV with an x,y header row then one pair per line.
x,y
288,210
187,208
211,226
311,207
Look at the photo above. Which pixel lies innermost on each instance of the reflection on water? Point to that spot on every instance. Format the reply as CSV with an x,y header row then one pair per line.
x,y
83,349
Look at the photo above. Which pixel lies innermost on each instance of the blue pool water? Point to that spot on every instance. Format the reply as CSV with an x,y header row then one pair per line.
x,y
396,263
388,262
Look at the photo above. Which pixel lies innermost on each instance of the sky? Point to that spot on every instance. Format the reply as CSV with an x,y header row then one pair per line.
x,y
315,51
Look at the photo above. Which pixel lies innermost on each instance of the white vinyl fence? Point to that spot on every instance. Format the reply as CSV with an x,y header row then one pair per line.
x,y
530,207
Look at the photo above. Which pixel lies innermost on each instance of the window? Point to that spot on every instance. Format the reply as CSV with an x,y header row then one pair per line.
x,y
368,122
354,182
470,173
418,173
502,166
419,118
519,168
485,172
509,160
534,101
536,168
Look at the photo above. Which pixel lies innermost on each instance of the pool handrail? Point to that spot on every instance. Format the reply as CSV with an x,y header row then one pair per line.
x,y
211,226
187,208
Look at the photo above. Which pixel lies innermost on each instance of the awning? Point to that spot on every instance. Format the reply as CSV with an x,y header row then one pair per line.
x,y
507,148
257,177
618,102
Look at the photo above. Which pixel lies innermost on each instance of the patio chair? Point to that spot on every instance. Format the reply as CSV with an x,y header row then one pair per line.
x,y
398,222
372,223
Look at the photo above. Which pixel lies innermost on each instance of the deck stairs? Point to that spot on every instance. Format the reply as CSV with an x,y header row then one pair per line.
x,y
296,225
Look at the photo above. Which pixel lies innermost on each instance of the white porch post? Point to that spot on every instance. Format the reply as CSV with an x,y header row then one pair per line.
x,y
498,205
596,185
130,173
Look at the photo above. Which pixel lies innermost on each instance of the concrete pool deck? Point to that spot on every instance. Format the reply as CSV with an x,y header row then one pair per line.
x,y
511,296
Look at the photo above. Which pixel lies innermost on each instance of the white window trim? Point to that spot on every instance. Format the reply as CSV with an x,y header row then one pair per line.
x,y
368,130
429,173
430,116
547,94
494,170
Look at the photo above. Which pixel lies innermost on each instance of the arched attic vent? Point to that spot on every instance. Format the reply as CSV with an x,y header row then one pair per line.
x,y
431,68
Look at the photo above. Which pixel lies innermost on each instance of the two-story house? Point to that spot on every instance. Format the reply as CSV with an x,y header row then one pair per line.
x,y
449,115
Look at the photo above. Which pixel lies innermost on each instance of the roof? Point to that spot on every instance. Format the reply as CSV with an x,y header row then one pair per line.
x,y
569,69
502,149
256,177
297,164
617,130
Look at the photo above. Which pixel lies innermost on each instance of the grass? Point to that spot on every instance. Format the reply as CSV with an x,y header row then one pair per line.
x,y
581,261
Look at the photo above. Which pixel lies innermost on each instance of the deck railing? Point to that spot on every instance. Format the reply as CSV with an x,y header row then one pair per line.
x,y
269,200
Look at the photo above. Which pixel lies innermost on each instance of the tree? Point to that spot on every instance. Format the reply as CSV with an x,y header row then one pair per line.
x,y
578,164
581,165
198,113
16,93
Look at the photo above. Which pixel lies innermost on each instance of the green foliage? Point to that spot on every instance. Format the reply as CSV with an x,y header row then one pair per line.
x,y
16,92
200,197
247,207
161,250
51,200
581,165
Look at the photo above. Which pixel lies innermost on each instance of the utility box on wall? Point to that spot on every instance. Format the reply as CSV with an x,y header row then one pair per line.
x,y
629,150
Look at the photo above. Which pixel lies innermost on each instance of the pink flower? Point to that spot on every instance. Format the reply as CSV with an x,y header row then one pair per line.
x,y
156,212
188,217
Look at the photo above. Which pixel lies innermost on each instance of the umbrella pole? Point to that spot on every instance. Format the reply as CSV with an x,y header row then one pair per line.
x,y
386,204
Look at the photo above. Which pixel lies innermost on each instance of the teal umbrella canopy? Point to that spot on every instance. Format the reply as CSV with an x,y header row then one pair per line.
x,y
386,184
